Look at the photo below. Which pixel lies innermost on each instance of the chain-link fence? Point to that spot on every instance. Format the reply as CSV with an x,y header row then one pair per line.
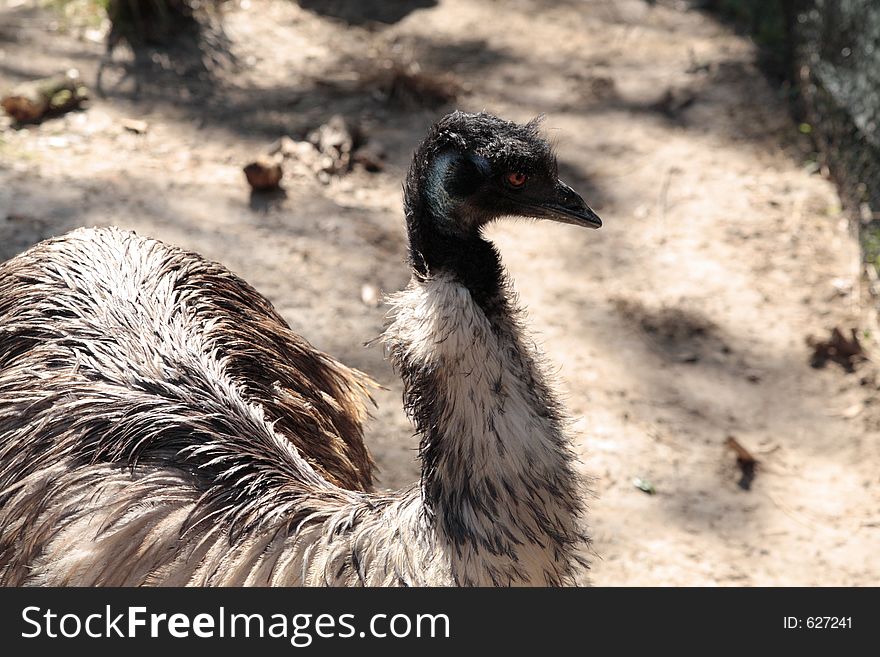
x,y
837,51
829,52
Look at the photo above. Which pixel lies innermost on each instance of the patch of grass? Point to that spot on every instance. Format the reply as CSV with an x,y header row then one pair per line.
x,y
870,239
135,21
82,13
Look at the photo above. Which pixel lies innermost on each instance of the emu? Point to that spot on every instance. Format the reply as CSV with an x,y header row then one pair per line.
x,y
160,423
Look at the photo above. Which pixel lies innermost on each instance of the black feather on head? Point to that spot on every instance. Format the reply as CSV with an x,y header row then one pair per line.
x,y
470,170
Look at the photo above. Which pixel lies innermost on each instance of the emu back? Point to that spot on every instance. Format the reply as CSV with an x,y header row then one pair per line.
x,y
125,359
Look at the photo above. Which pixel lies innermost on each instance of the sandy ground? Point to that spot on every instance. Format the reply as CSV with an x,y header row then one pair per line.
x,y
682,322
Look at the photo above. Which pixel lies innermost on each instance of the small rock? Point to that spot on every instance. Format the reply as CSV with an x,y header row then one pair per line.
x,y
370,295
644,485
94,35
852,411
641,212
842,286
264,174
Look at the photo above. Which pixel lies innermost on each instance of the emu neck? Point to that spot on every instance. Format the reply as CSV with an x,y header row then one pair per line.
x,y
497,479
466,258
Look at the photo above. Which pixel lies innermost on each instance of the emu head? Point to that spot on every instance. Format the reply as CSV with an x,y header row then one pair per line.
x,y
474,168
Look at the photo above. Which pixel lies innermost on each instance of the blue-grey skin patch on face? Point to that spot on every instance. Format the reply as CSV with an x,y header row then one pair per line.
x,y
435,186
453,177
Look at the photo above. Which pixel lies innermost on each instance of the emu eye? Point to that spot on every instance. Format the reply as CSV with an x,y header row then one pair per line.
x,y
515,179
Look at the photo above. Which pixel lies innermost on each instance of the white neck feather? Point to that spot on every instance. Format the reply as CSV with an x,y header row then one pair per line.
x,y
497,469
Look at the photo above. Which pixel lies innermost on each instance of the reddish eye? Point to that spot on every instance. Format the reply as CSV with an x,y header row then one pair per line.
x,y
516,179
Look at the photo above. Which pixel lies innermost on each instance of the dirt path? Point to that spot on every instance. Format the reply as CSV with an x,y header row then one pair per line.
x,y
680,323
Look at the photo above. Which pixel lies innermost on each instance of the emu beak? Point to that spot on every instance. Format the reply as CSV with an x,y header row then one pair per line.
x,y
569,208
